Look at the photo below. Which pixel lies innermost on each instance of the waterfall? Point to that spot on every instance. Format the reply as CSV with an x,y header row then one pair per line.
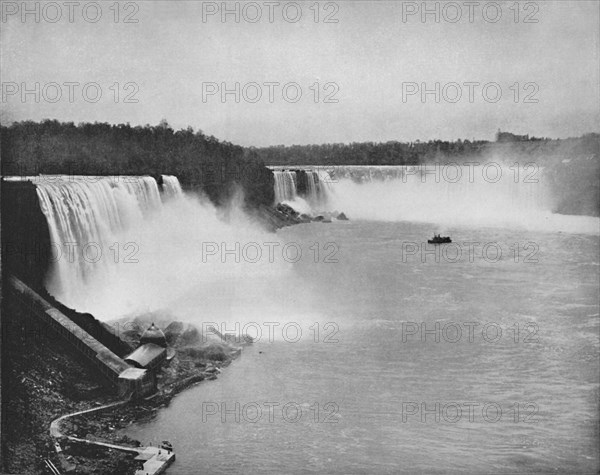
x,y
318,188
87,216
285,186
312,192
483,194
306,189
171,187
324,181
125,246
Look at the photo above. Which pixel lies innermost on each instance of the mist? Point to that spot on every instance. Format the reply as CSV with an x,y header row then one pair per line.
x,y
500,196
188,261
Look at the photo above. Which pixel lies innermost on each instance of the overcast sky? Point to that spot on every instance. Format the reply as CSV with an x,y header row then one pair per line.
x,y
364,61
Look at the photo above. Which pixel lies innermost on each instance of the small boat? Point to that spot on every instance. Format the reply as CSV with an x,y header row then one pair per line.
x,y
437,239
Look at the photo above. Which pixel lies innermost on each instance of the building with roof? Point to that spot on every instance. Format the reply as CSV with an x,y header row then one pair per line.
x,y
139,382
148,356
151,353
154,335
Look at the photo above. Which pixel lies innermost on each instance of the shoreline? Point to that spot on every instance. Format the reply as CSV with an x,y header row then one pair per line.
x,y
104,426
48,381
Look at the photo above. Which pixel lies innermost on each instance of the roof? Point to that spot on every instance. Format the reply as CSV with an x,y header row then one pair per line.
x,y
146,355
132,373
154,335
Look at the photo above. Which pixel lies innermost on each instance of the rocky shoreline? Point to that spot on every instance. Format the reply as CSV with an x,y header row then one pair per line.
x,y
283,215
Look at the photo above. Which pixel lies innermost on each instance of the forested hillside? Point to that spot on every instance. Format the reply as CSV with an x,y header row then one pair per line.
x,y
199,161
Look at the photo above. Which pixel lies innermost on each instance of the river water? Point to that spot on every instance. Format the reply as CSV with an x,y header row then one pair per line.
x,y
408,362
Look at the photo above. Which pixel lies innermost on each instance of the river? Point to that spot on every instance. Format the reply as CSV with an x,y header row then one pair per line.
x,y
482,358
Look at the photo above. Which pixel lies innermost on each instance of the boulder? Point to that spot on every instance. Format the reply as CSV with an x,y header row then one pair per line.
x,y
342,217
287,210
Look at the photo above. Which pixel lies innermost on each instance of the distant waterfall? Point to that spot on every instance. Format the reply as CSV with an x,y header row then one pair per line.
x,y
171,187
307,188
312,180
285,186
86,215
485,194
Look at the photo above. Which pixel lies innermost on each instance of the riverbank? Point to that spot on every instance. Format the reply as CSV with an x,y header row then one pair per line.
x,y
44,379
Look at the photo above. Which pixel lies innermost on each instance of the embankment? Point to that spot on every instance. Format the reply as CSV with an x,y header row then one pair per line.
x,y
44,378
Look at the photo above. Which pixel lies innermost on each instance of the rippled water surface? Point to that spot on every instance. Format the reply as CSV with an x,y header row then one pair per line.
x,y
378,370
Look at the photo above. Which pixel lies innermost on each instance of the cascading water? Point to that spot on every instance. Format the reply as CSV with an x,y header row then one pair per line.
x,y
488,194
86,217
120,246
312,191
285,186
306,190
323,181
171,187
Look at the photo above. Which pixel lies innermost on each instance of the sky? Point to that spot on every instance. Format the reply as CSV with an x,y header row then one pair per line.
x,y
307,72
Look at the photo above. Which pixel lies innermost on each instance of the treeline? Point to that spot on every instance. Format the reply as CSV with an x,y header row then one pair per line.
x,y
199,161
368,153
415,153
